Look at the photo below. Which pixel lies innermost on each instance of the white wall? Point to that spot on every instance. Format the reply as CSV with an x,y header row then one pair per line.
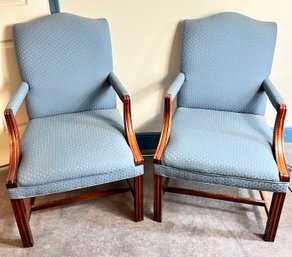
x,y
145,36
11,12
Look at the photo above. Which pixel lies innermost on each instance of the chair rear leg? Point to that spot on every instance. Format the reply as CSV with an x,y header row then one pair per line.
x,y
22,220
274,216
138,199
158,197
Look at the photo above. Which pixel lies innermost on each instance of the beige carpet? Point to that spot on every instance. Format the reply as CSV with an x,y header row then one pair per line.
x,y
191,227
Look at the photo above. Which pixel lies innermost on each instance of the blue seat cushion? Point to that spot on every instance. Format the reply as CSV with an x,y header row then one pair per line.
x,y
219,147
72,151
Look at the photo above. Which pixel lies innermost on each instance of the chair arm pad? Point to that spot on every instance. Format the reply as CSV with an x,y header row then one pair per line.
x,y
176,85
18,98
117,85
273,94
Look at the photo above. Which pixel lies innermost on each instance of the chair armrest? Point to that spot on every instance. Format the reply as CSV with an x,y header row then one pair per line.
x,y
278,141
15,142
176,85
118,86
273,94
18,98
167,119
129,131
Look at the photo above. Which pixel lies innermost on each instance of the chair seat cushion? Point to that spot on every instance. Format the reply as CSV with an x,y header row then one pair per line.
x,y
71,151
219,147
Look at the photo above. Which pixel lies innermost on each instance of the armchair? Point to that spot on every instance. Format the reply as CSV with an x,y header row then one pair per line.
x,y
75,137
218,134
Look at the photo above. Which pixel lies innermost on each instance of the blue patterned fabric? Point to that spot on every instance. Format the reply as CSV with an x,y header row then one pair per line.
x,y
219,147
273,94
176,85
231,181
118,86
66,60
225,58
72,151
18,98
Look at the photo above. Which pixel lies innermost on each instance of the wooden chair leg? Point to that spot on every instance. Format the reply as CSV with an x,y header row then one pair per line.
x,y
158,197
22,220
138,199
274,216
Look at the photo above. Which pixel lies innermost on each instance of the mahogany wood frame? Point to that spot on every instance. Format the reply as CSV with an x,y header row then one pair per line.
x,y
22,212
273,211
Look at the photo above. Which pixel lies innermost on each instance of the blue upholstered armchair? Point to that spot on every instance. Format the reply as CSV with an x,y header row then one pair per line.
x,y
218,134
75,137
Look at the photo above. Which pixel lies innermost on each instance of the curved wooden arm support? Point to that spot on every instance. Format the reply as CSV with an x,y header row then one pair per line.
x,y
15,148
278,145
129,132
165,129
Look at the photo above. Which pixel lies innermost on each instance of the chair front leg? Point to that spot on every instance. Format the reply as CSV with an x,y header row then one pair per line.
x,y
22,220
158,197
138,199
274,216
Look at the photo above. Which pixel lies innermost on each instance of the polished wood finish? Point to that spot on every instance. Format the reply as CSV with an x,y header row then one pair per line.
x,y
158,197
22,220
165,134
129,132
274,216
278,143
138,199
29,210
23,213
165,184
138,160
215,196
15,148
79,199
131,186
273,211
32,200
266,200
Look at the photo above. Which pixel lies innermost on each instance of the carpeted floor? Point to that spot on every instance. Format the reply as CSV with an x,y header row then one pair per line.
x,y
191,226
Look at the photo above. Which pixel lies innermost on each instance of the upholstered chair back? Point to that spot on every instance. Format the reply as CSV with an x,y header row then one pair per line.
x,y
225,58
66,60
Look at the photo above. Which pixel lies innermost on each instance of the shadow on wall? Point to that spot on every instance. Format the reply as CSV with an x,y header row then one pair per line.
x,y
155,123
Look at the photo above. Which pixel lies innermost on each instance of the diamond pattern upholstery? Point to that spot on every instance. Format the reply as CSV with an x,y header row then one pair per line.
x,y
225,58
18,98
68,57
75,136
83,149
220,147
219,134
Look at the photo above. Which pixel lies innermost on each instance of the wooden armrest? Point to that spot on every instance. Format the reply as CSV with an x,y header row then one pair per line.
x,y
278,145
165,134
129,132
15,148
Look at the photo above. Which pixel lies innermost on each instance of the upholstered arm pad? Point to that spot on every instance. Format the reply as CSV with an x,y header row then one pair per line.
x,y
117,85
273,94
176,85
18,98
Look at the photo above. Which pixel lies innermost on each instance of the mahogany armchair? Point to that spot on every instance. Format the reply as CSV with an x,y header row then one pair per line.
x,y
75,137
218,134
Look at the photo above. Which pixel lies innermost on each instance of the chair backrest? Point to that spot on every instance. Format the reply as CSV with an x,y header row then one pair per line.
x,y
225,58
66,60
